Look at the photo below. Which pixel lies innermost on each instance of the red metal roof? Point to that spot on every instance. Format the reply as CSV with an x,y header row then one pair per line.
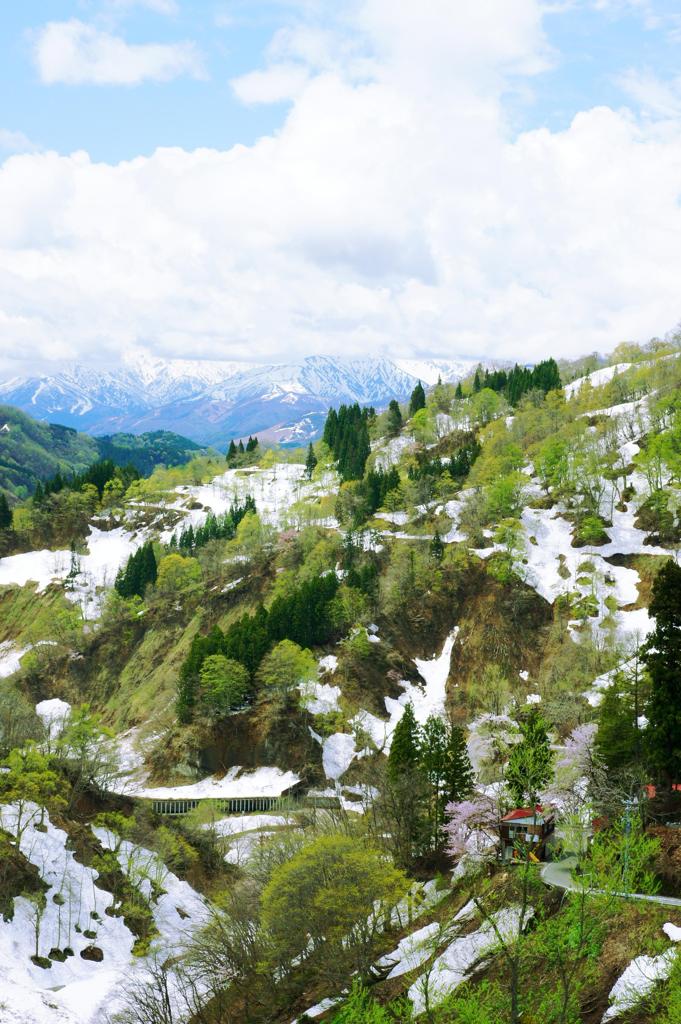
x,y
523,812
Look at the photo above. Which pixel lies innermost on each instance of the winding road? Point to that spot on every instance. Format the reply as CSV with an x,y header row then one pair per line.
x,y
558,875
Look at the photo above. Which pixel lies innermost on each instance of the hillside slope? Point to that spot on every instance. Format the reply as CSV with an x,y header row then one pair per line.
x,y
31,450
303,662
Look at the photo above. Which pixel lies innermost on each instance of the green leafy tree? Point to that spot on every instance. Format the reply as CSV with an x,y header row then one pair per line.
x,y
30,784
530,765
662,656
286,667
328,903
179,579
87,753
225,684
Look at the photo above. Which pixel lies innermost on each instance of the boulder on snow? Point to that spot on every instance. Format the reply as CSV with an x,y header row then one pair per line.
x,y
93,953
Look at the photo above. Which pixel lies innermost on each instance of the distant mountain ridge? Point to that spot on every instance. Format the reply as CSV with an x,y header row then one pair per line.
x,y
213,401
31,450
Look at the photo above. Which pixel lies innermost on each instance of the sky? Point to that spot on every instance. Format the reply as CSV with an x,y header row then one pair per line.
x,y
236,179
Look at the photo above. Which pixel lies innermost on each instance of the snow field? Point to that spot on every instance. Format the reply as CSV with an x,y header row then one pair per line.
x,y
10,658
274,490
73,883
411,951
453,966
638,980
237,782
179,911
595,379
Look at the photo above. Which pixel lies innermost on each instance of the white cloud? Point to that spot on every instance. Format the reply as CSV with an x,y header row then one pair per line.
x,y
276,83
75,53
393,212
652,94
15,142
168,7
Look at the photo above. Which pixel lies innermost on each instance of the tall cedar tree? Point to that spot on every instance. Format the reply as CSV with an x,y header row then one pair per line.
x,y
662,656
231,451
6,514
417,400
618,738
347,434
458,394
394,418
437,548
310,462
405,750
139,572
545,376
460,775
530,765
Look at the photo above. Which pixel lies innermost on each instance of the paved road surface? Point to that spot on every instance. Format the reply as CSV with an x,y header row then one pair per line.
x,y
558,874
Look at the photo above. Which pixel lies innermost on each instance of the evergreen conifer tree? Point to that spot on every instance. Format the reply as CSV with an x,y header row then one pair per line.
x,y
405,750
6,514
662,656
150,569
331,429
458,393
394,418
477,382
310,462
459,773
530,765
231,451
417,400
437,547
241,450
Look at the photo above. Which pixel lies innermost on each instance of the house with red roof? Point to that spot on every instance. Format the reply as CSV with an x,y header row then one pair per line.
x,y
524,833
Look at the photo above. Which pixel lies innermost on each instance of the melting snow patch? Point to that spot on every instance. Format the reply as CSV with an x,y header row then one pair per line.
x,y
80,989
595,379
265,781
10,658
329,663
638,980
453,966
53,714
411,952
338,753
319,1008
319,698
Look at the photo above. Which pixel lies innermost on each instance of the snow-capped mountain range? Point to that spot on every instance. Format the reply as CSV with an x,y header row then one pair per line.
x,y
211,402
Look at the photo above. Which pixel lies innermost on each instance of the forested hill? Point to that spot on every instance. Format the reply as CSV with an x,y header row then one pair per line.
x,y
383,729
32,451
145,451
